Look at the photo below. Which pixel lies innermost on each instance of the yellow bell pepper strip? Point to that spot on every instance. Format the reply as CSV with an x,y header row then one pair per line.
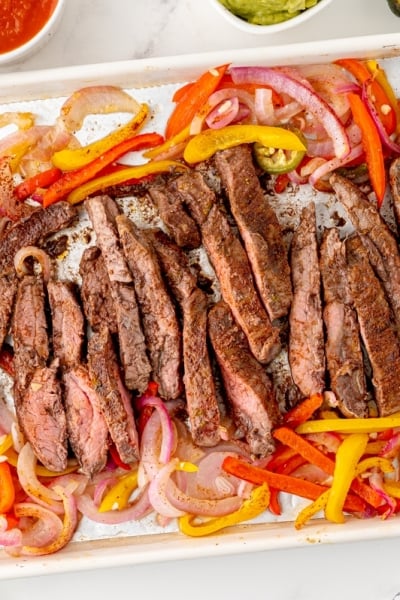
x,y
137,172
372,145
7,489
179,138
303,411
379,75
117,498
360,72
205,144
73,179
369,425
311,509
284,483
252,507
392,488
192,101
374,462
347,457
70,159
26,188
72,466
5,443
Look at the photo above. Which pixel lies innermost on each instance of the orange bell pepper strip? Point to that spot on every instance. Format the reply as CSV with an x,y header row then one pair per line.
x,y
285,483
314,456
303,411
382,102
73,179
7,490
372,145
26,188
379,75
192,101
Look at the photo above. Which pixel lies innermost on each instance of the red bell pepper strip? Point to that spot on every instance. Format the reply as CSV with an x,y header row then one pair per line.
x,y
26,188
7,490
73,179
193,100
303,411
285,483
381,100
372,145
117,459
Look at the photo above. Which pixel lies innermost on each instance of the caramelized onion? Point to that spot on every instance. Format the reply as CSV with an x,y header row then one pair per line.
x,y
32,252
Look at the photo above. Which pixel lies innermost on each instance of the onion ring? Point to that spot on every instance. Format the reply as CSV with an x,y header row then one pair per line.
x,y
32,252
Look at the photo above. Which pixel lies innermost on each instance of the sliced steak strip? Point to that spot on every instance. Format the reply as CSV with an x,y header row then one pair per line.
x,y
114,399
97,301
67,323
181,227
202,405
248,388
33,231
37,391
231,266
394,182
376,326
381,243
306,335
160,323
86,425
343,345
8,290
103,211
259,228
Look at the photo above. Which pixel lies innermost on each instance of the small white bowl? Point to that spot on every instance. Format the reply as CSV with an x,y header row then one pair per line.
x,y
277,27
36,42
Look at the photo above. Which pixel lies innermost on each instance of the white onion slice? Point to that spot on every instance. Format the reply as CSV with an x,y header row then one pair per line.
x,y
32,252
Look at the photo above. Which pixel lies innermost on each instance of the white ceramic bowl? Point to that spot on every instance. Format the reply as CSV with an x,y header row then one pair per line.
x,y
277,27
36,42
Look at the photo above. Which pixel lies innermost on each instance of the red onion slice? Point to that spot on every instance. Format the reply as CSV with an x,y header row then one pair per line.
x,y
168,441
138,509
158,488
308,98
386,139
334,163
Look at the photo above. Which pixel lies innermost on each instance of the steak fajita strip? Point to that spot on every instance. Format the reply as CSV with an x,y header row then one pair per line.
x,y
376,326
202,405
103,211
259,228
306,335
248,388
343,345
231,266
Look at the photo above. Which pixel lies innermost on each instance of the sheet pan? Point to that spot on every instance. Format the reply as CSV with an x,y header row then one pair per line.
x,y
145,542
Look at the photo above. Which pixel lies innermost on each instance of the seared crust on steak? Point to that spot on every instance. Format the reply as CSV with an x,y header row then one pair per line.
x,y
343,345
160,323
248,388
394,182
231,266
8,290
376,326
259,228
202,405
306,335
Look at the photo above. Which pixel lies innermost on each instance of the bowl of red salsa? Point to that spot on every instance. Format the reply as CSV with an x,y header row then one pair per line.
x,y
25,26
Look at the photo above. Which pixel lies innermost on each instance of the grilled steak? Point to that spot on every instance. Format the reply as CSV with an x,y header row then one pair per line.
x,y
103,211
8,290
160,323
33,231
231,266
86,426
394,182
343,347
259,228
248,388
202,405
37,391
376,326
114,399
306,336
376,235
67,323
97,302
181,227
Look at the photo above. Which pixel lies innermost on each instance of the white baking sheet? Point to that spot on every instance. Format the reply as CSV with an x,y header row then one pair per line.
x,y
97,546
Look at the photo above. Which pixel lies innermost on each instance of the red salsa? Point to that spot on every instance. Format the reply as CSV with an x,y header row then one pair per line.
x,y
21,20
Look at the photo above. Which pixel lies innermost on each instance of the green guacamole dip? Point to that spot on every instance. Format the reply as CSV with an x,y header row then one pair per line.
x,y
267,12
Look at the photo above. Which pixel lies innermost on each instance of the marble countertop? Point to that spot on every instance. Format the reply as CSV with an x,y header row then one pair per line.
x,y
96,31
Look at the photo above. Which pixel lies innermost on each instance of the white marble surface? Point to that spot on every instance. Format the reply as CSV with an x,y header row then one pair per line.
x,y
95,31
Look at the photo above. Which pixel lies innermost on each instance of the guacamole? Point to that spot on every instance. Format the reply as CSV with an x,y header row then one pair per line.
x,y
267,12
